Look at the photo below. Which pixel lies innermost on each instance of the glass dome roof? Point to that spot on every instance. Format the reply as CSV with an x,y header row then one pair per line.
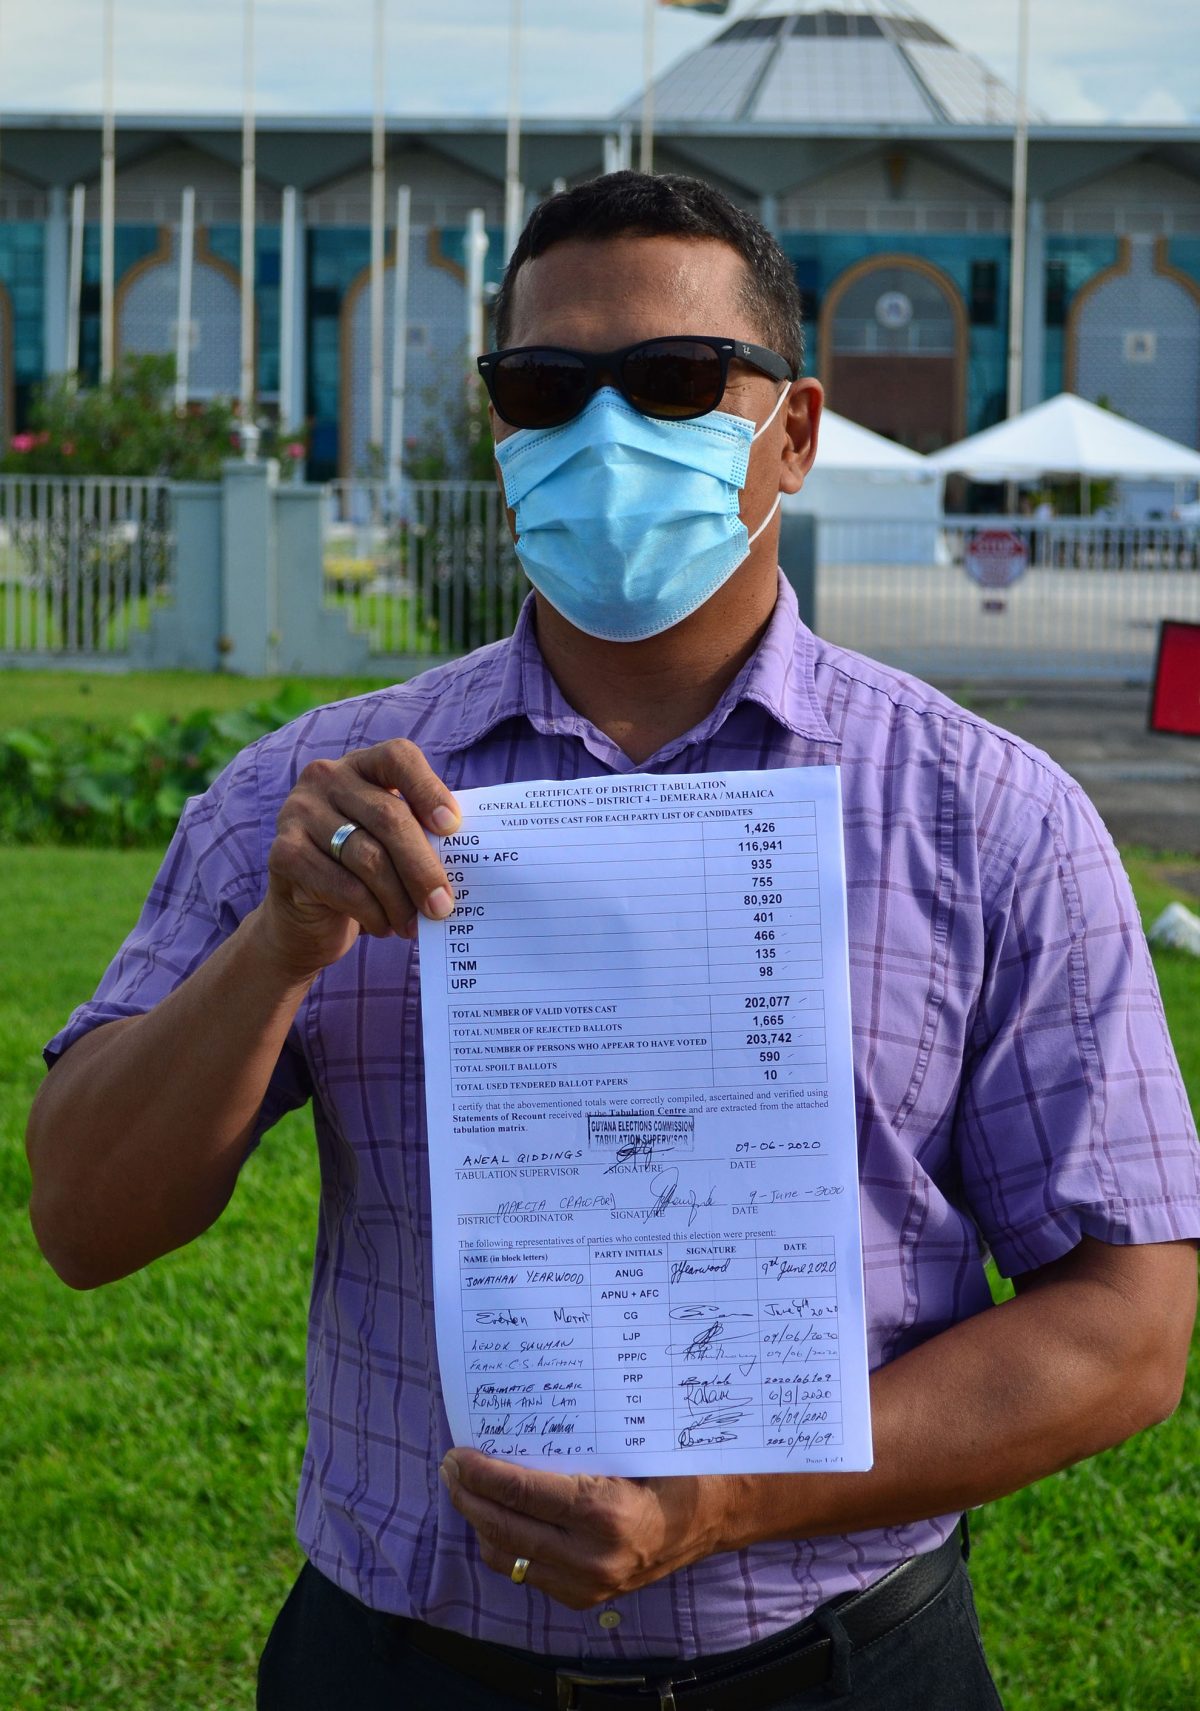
x,y
817,64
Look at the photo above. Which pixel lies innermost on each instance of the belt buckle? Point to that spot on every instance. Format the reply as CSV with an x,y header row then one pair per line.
x,y
566,1681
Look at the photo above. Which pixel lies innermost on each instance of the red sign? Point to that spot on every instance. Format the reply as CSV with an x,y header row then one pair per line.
x,y
1175,700
995,558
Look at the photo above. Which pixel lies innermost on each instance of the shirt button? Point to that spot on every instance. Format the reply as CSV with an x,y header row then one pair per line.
x,y
610,1618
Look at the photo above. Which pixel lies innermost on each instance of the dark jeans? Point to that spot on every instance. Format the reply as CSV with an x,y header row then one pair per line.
x,y
326,1652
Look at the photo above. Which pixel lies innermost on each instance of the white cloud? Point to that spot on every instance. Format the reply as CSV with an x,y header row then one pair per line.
x,y
1157,107
1089,58
1059,94
1086,56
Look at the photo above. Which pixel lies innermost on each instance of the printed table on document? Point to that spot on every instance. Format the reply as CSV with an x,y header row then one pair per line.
x,y
618,1345
723,942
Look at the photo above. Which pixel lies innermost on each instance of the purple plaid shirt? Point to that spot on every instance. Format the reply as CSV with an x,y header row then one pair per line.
x,y
1016,1087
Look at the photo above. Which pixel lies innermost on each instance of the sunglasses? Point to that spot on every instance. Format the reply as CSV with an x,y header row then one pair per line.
x,y
671,379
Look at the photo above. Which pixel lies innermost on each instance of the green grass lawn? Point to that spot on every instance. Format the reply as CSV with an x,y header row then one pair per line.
x,y
114,697
151,1433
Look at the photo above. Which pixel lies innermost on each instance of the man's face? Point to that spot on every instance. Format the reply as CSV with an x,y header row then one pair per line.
x,y
599,295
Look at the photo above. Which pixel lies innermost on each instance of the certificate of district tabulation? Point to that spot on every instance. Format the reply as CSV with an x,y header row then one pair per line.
x,y
640,1094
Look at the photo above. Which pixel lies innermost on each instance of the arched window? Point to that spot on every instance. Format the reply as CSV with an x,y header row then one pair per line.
x,y
893,351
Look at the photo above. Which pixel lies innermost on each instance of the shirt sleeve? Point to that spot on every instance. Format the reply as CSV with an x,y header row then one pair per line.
x,y
212,876
1073,1116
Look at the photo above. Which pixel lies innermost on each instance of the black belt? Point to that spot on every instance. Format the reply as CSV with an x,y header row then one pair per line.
x,y
757,1675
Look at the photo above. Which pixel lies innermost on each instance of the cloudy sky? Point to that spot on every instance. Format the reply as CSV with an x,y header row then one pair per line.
x,y
1093,60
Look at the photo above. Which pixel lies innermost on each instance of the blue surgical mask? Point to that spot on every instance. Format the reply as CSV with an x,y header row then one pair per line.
x,y
627,524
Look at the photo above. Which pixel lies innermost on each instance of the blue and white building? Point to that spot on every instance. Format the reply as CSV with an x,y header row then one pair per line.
x,y
878,151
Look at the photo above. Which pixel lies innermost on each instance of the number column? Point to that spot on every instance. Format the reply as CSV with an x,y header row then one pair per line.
x,y
764,950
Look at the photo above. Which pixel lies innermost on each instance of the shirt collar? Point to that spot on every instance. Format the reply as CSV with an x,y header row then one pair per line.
x,y
778,676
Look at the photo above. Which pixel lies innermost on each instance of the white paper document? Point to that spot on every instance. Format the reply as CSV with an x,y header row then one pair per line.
x,y
642,1150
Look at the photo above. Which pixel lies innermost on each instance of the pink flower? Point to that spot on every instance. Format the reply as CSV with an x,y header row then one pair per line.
x,y
68,448
294,449
23,442
235,441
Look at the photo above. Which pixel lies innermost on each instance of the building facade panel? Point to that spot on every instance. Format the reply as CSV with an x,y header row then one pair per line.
x,y
1134,342
147,315
918,197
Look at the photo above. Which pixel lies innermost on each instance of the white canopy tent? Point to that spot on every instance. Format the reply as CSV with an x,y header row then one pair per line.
x,y
1067,436
847,448
860,477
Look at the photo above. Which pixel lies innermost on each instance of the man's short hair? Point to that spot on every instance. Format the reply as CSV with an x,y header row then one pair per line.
x,y
639,204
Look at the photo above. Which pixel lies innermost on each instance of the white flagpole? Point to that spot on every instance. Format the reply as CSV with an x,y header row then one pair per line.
x,y
1016,298
287,310
378,232
399,341
514,192
183,327
477,248
108,206
247,388
75,279
647,156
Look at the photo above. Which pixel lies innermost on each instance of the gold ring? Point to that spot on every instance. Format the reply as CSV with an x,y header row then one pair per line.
x,y
519,1570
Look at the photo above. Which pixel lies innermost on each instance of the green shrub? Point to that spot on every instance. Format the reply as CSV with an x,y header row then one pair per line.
x,y
127,427
76,782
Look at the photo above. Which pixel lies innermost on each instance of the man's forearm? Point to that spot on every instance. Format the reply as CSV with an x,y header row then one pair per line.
x,y
137,1134
994,1403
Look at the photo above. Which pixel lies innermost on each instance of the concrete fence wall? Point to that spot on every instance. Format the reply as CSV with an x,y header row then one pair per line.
x,y
249,584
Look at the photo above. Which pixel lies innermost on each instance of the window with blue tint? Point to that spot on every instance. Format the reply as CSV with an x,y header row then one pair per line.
x,y
820,259
807,269
1070,264
21,274
131,244
225,242
1184,254
336,256
452,247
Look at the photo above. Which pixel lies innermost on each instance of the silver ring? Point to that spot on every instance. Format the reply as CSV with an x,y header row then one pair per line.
x,y
338,841
519,1570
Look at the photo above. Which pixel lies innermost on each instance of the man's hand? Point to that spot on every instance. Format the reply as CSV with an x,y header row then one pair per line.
x,y
316,906
588,1539
1093,1349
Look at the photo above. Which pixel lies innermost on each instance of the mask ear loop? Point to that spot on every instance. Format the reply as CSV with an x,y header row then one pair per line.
x,y
758,433
787,387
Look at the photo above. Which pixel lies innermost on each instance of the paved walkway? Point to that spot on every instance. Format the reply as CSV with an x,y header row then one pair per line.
x,y
1145,784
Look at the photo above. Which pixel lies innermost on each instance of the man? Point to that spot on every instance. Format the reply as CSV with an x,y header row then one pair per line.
x,y
1015,1086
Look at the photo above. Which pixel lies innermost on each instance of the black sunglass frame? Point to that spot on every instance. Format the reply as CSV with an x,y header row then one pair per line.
x,y
601,365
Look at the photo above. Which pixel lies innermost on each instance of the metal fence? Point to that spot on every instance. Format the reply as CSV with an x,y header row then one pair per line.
x,y
1087,603
428,573
435,575
86,564
82,562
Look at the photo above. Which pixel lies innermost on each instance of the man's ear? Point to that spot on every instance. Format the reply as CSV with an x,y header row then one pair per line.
x,y
802,422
